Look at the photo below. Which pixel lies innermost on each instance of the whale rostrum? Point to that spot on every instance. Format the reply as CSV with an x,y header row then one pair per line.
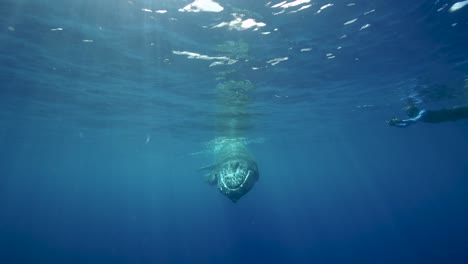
x,y
235,171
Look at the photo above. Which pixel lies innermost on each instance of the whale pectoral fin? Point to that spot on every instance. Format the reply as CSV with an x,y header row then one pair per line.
x,y
210,176
209,167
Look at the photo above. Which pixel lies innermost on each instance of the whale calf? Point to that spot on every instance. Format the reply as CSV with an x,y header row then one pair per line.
x,y
235,171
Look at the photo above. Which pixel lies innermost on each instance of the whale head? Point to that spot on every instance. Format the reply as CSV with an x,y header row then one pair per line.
x,y
235,176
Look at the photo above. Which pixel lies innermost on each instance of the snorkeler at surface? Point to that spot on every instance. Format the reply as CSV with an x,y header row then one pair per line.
x,y
429,116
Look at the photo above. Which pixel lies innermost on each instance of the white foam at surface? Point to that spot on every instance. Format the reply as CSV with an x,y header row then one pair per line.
x,y
193,55
285,4
350,21
442,8
239,24
280,12
248,23
220,60
324,7
216,63
202,6
275,61
365,26
458,6
279,4
300,9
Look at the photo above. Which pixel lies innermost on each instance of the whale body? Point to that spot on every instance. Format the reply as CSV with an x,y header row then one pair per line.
x,y
235,171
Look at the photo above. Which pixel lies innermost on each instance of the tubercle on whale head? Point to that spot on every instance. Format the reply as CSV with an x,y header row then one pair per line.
x,y
236,176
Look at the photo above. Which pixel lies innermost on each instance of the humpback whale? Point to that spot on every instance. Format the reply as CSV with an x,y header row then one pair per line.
x,y
235,171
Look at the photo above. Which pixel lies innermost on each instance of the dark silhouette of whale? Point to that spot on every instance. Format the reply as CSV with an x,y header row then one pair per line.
x,y
235,170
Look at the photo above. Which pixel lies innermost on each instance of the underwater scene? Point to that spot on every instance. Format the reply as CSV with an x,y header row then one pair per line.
x,y
233,131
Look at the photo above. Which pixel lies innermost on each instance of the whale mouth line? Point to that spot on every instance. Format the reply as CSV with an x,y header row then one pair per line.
x,y
235,171
234,174
229,187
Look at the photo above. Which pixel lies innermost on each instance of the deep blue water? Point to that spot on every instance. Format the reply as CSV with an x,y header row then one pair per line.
x,y
105,122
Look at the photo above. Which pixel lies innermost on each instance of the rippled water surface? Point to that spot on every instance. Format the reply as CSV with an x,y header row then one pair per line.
x,y
108,109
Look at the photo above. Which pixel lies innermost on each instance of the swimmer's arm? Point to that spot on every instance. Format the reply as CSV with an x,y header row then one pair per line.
x,y
405,122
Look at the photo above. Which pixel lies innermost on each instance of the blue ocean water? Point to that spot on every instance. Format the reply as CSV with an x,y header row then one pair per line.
x,y
109,108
